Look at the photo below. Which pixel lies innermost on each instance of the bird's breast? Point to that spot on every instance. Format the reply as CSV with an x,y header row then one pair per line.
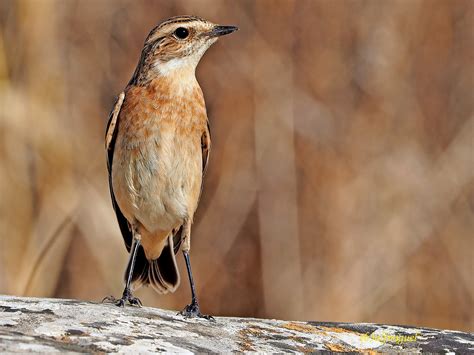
x,y
157,165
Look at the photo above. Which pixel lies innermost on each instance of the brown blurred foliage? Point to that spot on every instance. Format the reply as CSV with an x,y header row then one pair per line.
x,y
341,181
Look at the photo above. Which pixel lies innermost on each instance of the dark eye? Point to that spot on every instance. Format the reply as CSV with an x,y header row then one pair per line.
x,y
181,33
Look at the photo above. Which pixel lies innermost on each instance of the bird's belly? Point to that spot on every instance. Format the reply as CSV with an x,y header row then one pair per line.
x,y
157,182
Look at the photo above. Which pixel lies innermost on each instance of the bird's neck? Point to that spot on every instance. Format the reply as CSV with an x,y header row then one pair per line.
x,y
167,78
177,67
176,85
180,80
178,72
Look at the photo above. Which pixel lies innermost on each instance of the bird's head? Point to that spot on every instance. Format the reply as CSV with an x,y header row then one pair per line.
x,y
179,43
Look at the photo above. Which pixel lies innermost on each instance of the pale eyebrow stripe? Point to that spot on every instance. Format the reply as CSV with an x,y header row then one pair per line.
x,y
155,33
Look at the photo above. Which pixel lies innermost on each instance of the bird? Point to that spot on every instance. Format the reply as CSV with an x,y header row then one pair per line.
x,y
158,143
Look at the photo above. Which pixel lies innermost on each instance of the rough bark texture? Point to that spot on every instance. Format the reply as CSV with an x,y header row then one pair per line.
x,y
55,325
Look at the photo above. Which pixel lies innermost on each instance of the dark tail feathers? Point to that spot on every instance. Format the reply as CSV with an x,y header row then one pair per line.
x,y
162,273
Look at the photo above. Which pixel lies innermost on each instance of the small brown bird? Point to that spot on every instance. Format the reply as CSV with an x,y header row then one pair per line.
x,y
158,145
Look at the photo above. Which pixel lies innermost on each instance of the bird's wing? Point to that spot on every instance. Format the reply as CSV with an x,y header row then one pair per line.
x,y
110,137
205,148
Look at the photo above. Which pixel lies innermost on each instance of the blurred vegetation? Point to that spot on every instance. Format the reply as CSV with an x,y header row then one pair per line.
x,y
341,181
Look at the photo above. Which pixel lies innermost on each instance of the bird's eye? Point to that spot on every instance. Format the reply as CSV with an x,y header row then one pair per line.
x,y
181,33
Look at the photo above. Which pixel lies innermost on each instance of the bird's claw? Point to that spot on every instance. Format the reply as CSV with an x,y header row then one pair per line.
x,y
192,311
121,302
135,301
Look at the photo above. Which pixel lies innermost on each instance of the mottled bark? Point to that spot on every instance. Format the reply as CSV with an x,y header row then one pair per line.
x,y
53,325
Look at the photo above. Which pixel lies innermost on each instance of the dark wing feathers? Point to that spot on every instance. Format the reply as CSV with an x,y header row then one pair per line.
x,y
110,137
206,149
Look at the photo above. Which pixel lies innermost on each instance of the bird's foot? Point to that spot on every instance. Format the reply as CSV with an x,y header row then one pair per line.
x,y
192,311
127,298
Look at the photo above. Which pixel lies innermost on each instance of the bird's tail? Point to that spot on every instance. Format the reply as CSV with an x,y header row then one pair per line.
x,y
161,274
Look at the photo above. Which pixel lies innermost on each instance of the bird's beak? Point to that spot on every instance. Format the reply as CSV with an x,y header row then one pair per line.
x,y
218,31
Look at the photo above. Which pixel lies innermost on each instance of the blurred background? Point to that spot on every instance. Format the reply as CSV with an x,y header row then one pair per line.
x,y
341,178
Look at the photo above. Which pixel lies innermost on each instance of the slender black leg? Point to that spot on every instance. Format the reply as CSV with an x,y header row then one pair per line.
x,y
127,296
192,310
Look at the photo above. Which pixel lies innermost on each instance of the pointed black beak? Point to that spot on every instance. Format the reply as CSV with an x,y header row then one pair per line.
x,y
221,31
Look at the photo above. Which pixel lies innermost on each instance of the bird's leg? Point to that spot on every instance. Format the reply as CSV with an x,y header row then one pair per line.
x,y
127,296
191,310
